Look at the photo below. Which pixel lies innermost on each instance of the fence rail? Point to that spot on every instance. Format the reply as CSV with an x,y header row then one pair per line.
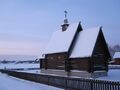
x,y
66,82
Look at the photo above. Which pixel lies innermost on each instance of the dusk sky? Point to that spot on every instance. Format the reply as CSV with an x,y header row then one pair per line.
x,y
27,25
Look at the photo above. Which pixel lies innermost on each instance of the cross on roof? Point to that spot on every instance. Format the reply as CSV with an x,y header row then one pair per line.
x,y
65,13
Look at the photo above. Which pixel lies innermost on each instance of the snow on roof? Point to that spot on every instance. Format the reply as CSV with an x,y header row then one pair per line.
x,y
85,43
61,40
41,56
116,55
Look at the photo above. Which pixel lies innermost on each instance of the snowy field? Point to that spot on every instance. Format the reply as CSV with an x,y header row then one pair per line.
x,y
113,75
12,83
17,66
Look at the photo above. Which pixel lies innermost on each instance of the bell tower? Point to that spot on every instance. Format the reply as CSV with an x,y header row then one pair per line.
x,y
65,25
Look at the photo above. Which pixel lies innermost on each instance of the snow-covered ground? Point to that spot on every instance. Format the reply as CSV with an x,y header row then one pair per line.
x,y
113,74
12,83
16,66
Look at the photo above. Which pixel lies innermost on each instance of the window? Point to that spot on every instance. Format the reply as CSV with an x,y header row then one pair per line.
x,y
59,57
51,57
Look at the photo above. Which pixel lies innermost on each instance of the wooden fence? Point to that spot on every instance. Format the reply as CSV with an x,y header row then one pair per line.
x,y
66,82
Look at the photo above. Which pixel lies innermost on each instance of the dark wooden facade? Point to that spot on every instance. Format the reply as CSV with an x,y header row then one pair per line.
x,y
97,61
54,61
80,64
60,60
101,55
116,61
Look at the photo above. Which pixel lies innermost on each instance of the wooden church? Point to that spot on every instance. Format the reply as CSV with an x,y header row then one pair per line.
x,y
74,51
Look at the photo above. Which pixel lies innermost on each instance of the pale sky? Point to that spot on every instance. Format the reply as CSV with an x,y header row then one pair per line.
x,y
27,25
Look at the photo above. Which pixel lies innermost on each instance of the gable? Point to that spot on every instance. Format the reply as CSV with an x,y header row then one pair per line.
x,y
61,41
101,46
85,43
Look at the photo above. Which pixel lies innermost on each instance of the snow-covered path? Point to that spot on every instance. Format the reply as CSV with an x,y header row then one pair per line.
x,y
12,83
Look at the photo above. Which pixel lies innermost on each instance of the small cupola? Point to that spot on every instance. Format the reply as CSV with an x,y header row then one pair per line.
x,y
65,25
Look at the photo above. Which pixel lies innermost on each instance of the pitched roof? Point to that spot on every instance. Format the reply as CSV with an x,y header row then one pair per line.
x,y
61,40
116,55
85,43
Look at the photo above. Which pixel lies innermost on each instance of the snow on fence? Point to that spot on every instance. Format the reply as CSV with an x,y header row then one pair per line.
x,y
67,82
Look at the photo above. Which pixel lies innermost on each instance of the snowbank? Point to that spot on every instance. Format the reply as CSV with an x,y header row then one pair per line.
x,y
11,83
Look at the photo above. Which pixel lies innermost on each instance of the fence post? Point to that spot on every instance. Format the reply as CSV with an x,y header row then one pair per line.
x,y
48,80
65,83
91,85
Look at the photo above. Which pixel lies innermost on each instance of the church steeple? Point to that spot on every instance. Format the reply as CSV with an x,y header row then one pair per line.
x,y
65,25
